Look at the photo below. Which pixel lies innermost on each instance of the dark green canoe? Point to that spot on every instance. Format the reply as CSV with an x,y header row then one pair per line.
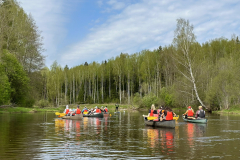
x,y
163,124
100,115
202,120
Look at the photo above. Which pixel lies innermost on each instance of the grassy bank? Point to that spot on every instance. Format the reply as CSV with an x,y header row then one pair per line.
x,y
28,110
111,107
61,108
228,111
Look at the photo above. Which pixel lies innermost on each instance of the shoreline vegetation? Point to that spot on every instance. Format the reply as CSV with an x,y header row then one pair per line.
x,y
111,107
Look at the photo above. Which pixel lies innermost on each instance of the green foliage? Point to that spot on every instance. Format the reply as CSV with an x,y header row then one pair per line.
x,y
137,99
42,103
17,77
5,88
148,100
166,97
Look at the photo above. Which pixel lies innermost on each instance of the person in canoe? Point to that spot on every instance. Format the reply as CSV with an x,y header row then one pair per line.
x,y
106,110
102,109
167,115
200,113
189,113
97,110
78,111
153,112
66,111
85,110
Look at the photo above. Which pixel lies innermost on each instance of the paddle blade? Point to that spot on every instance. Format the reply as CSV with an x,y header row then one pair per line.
x,y
151,118
57,113
176,118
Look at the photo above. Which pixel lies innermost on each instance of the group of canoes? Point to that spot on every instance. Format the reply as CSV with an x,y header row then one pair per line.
x,y
164,117
78,114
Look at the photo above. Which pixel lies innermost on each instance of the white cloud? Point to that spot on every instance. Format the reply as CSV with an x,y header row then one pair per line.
x,y
148,24
49,18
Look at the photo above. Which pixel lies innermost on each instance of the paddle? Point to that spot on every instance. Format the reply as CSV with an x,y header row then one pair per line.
x,y
176,118
60,114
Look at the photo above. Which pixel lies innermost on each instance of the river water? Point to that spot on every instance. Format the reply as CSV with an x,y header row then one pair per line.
x,y
119,136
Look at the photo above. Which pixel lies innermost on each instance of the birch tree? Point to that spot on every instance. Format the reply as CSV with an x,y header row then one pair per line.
x,y
183,40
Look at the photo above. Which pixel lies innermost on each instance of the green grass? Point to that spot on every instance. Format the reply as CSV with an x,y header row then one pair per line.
x,y
26,110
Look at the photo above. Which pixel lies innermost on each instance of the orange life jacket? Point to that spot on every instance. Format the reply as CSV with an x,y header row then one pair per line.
x,y
78,111
67,110
151,114
190,113
98,111
169,116
106,110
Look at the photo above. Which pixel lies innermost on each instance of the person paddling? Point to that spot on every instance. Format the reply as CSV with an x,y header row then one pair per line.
x,y
167,115
200,113
189,113
66,111
78,111
106,110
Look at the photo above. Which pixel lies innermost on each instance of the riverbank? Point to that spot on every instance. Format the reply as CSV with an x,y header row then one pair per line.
x,y
230,111
14,109
28,110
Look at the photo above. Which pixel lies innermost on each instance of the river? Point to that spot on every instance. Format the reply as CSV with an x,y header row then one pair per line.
x,y
119,136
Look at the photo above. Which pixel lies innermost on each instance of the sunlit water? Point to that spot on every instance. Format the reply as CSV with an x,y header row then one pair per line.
x,y
120,136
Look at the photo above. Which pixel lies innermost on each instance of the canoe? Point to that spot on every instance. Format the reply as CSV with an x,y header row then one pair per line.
x,y
164,124
202,120
100,115
77,116
106,113
117,112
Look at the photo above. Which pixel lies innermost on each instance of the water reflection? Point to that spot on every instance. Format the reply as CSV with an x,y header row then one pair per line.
x,y
160,138
122,136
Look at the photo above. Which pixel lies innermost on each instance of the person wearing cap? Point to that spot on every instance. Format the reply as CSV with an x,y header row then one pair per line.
x,y
200,113
78,111
85,109
102,109
189,113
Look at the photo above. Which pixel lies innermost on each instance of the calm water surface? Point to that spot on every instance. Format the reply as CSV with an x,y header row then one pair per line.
x,y
120,136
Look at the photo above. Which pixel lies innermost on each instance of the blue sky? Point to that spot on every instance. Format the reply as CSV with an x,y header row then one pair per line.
x,y
78,31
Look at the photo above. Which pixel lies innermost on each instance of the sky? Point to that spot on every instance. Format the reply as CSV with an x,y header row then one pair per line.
x,y
79,31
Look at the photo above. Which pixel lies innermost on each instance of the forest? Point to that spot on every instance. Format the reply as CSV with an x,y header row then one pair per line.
x,y
180,74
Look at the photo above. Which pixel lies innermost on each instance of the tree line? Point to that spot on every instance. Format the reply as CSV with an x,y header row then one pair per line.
x,y
182,73
20,56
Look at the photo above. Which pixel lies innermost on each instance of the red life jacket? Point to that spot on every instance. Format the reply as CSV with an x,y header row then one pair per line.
x,y
78,111
151,114
155,115
190,113
98,111
106,110
67,110
169,116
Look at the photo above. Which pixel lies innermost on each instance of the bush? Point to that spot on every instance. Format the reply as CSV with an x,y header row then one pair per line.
x,y
43,103
148,100
166,97
137,99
